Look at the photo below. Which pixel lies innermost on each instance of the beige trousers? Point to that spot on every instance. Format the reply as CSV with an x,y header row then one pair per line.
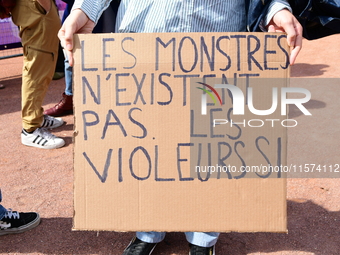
x,y
38,32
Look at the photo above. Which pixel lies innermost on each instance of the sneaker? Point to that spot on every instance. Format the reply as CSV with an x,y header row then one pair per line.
x,y
138,247
198,250
14,222
41,138
51,122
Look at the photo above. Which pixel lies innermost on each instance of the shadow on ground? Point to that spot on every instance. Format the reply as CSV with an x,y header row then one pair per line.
x,y
295,112
10,96
308,70
311,229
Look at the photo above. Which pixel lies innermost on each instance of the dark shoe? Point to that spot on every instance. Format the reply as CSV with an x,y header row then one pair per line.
x,y
2,86
58,75
63,108
14,222
138,247
198,250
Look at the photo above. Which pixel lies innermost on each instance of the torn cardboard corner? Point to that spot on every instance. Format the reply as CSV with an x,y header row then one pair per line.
x,y
143,145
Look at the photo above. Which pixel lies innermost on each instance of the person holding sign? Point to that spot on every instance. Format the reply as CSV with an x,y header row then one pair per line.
x,y
184,16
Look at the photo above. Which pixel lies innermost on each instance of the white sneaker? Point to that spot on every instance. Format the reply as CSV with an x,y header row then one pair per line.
x,y
41,138
51,122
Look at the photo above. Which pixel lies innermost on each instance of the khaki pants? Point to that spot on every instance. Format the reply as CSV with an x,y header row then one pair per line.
x,y
38,32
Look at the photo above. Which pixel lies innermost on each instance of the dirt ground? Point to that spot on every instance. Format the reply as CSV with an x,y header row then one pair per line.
x,y
42,180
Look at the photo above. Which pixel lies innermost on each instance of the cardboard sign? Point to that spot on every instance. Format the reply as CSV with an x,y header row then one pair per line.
x,y
143,144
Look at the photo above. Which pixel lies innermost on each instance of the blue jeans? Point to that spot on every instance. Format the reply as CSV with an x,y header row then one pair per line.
x,y
68,78
68,69
2,209
203,239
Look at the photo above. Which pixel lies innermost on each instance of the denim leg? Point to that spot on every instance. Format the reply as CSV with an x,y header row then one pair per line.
x,y
204,239
150,237
68,78
2,209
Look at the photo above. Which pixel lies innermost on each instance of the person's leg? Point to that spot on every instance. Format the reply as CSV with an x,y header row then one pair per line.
x,y
151,237
2,212
204,239
2,209
38,32
68,78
